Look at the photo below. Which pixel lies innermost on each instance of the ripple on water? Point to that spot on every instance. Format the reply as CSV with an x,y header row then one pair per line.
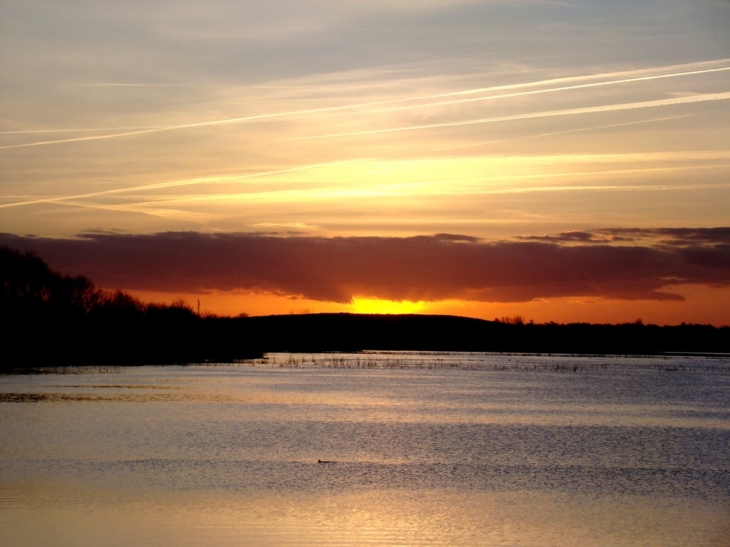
x,y
456,449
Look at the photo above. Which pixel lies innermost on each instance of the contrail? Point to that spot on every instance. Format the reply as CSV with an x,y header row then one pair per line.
x,y
614,188
145,130
679,70
176,183
79,130
552,90
81,139
566,132
188,216
548,114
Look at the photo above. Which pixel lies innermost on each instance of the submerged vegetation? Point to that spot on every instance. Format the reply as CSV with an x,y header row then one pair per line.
x,y
58,320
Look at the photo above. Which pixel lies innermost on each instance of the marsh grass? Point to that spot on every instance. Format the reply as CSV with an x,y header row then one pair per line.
x,y
491,362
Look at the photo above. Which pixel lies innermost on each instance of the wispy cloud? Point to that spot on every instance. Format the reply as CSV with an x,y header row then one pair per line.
x,y
516,90
345,180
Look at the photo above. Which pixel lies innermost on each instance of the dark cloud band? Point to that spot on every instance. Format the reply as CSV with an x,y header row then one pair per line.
x,y
444,266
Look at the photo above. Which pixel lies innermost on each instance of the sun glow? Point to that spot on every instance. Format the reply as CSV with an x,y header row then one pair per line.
x,y
374,305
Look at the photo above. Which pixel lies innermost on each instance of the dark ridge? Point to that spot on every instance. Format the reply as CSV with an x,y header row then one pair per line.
x,y
55,320
354,332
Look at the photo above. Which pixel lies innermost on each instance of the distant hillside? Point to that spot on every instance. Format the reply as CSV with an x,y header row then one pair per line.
x,y
351,332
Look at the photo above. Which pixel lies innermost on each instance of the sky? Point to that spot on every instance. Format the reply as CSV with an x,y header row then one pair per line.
x,y
560,160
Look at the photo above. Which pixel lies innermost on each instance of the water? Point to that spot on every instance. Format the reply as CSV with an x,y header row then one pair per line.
x,y
425,449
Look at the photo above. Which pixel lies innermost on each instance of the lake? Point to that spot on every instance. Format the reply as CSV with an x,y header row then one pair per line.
x,y
422,449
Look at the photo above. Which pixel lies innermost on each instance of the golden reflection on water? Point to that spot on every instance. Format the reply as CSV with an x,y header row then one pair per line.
x,y
383,517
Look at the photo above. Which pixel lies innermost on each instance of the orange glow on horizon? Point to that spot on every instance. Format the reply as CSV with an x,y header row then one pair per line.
x,y
702,305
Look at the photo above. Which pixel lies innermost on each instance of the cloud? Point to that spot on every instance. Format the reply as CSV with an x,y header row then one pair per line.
x,y
658,237
455,237
674,236
568,237
429,268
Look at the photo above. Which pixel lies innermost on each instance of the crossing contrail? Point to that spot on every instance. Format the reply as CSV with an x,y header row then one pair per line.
x,y
132,131
533,115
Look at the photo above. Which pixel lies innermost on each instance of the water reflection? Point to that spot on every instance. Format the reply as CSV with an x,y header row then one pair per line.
x,y
609,454
382,517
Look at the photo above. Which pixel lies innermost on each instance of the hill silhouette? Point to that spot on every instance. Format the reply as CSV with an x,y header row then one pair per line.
x,y
352,332
56,320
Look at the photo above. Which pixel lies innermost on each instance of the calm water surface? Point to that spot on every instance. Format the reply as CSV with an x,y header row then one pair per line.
x,y
425,449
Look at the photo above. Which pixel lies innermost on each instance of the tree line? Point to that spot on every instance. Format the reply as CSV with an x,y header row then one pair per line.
x,y
53,319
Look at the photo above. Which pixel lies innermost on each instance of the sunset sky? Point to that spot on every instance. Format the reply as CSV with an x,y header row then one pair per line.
x,y
561,160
